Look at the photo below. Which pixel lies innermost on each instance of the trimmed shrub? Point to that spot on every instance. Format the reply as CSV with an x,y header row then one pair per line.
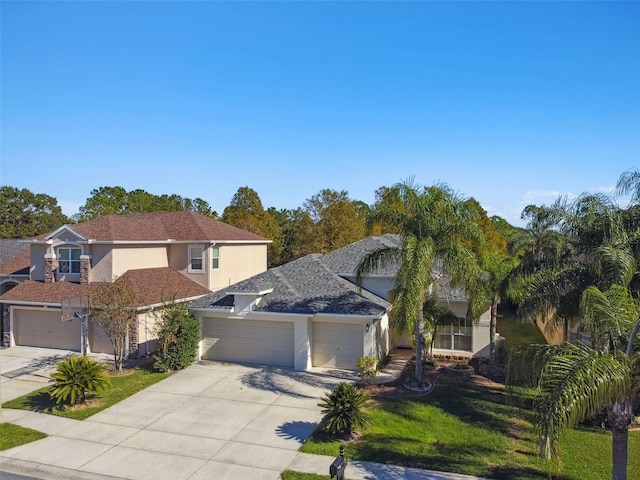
x,y
343,409
75,378
178,339
368,369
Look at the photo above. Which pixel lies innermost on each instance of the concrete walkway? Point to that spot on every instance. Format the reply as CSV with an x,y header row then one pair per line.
x,y
211,420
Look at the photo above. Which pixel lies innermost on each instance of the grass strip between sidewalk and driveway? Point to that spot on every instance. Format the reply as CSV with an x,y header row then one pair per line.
x,y
291,475
122,386
14,435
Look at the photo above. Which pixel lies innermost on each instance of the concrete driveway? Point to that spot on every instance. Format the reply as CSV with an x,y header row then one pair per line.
x,y
25,369
211,420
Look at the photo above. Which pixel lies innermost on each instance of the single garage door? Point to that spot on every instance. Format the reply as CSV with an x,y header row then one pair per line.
x,y
99,340
248,341
42,328
336,345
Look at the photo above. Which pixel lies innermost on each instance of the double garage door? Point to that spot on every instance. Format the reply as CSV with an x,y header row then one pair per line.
x,y
248,341
43,328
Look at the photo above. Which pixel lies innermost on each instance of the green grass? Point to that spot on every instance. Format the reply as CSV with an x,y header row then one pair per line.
x,y
122,386
14,435
291,475
468,428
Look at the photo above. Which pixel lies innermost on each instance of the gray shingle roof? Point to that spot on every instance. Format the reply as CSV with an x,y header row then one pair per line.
x,y
304,286
345,260
316,284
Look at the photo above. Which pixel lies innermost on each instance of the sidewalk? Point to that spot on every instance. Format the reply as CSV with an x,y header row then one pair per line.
x,y
357,470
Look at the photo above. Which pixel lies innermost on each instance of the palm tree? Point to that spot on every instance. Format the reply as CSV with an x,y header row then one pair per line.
x,y
575,382
597,251
433,223
595,281
489,288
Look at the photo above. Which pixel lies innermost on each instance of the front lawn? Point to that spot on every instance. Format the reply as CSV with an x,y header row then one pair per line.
x,y
467,427
14,435
122,386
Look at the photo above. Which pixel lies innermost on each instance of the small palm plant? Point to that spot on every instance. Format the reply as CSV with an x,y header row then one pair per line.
x,y
75,378
343,409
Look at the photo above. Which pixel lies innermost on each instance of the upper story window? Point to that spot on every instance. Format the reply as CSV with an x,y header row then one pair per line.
x,y
196,257
69,260
215,257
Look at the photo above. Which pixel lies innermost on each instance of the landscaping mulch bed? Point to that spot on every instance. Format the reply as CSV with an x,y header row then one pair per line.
x,y
396,388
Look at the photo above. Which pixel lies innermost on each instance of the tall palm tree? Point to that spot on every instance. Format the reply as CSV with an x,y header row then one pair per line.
x,y
576,381
434,224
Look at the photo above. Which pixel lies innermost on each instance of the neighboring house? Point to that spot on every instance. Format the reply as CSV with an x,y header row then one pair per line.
x,y
167,257
14,268
310,313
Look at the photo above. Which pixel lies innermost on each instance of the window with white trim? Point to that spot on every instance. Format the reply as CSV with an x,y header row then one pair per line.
x,y
196,258
454,335
215,258
69,259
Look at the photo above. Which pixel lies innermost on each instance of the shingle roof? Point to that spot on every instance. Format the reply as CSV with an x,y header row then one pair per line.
x,y
14,257
345,260
152,286
179,226
315,284
304,286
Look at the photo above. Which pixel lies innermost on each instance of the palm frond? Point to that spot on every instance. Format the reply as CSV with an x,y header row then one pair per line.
x,y
574,386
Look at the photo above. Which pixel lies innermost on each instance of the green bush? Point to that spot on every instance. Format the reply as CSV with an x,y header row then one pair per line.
x,y
343,409
75,378
368,369
178,339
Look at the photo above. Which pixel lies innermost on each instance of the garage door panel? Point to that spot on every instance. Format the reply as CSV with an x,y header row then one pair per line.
x,y
336,345
99,340
40,328
248,341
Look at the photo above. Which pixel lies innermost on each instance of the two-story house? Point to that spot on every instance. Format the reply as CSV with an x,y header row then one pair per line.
x,y
166,257
310,313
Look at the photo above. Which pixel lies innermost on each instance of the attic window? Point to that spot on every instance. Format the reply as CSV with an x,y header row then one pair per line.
x,y
69,260
195,258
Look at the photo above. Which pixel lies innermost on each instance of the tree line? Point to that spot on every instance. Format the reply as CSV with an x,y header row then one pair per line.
x,y
326,221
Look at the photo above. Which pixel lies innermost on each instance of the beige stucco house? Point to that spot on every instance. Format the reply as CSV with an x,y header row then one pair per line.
x,y
167,257
310,313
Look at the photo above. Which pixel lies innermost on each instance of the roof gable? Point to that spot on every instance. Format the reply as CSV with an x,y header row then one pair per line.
x,y
304,286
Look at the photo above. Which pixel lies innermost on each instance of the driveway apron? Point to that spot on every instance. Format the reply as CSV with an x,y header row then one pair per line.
x,y
211,420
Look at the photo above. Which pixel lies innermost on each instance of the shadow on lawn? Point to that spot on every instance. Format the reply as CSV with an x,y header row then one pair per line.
x,y
522,473
478,404
42,402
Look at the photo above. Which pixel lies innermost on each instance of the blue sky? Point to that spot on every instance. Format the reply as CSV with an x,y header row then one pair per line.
x,y
511,103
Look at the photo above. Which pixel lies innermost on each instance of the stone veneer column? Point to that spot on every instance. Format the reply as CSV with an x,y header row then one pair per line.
x,y
50,265
85,268
6,334
133,338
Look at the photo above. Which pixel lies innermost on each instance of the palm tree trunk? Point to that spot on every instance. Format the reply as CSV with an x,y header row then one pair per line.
x,y
620,418
492,334
419,342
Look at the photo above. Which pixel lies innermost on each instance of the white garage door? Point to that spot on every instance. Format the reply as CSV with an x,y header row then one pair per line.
x,y
41,328
248,341
336,345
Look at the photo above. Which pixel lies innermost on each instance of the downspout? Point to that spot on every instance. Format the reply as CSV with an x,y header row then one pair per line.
x,y
146,333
